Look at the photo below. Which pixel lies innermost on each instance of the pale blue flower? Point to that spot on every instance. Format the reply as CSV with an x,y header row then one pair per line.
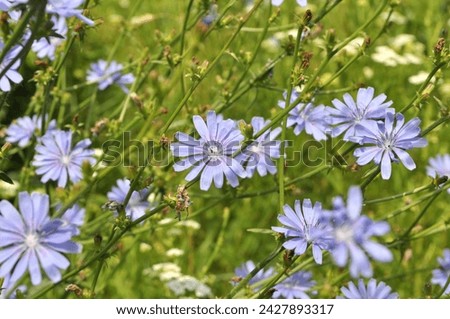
x,y
441,274
211,16
73,219
108,73
352,235
366,110
57,160
247,267
30,239
295,286
11,75
8,290
314,120
439,166
258,155
138,203
22,130
4,5
11,3
46,47
67,9
212,153
373,290
390,141
303,228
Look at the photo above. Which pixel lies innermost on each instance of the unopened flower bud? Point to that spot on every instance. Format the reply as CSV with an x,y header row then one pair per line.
x,y
439,46
307,17
5,148
246,129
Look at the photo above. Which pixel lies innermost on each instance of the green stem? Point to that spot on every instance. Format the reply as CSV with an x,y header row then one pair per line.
x,y
325,10
133,185
389,198
182,37
282,275
440,121
407,207
419,97
281,161
89,113
422,213
252,273
370,178
344,68
252,60
16,36
96,276
250,84
361,28
442,291
218,243
210,67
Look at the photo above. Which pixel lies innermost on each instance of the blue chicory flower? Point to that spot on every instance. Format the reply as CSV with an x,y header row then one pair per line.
x,y
295,286
212,153
247,267
46,47
5,5
24,128
211,16
8,290
314,120
352,235
138,203
31,239
439,166
303,227
56,160
12,3
11,75
373,290
108,73
346,116
67,9
257,156
73,219
391,139
441,274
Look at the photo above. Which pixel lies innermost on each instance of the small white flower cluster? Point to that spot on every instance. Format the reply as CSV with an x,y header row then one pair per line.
x,y
181,285
403,50
184,284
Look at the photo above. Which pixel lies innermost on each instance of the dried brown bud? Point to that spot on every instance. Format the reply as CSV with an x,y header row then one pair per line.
x,y
306,59
75,289
439,46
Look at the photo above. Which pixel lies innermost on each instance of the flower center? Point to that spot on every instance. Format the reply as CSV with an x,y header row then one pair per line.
x,y
344,234
387,144
213,150
32,240
65,160
255,148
